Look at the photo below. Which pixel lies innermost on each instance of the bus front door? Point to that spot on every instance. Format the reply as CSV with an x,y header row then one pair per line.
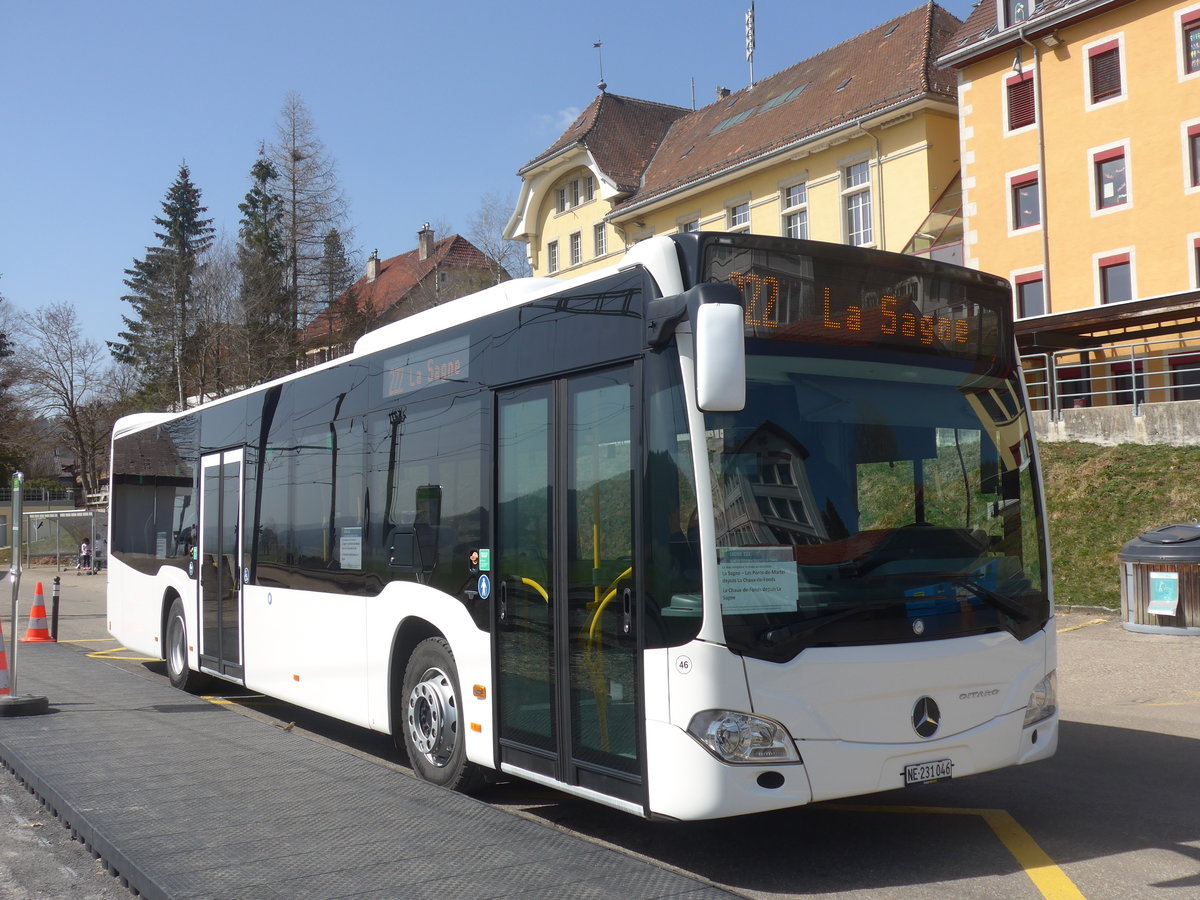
x,y
220,564
565,598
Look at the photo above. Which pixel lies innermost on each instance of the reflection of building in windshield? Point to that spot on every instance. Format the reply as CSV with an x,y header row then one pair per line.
x,y
1000,413
767,496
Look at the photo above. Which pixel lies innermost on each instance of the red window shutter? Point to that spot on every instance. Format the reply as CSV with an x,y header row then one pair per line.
x,y
1106,74
1022,110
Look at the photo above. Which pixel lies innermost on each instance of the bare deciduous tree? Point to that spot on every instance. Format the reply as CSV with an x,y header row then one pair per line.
x,y
313,203
64,377
486,231
220,352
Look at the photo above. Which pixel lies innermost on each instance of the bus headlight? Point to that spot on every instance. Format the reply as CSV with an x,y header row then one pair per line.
x,y
1043,702
736,737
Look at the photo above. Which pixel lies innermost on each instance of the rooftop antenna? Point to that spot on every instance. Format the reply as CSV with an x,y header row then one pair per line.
x,y
600,53
750,40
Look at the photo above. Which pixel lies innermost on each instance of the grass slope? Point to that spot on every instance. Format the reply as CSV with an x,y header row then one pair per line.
x,y
1100,497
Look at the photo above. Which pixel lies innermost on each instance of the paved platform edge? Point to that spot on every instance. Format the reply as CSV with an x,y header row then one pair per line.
x,y
99,845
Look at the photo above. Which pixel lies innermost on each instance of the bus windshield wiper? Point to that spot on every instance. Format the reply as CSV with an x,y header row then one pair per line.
x,y
785,632
1003,602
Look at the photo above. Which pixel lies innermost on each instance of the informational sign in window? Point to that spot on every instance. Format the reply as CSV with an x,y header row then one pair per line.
x,y
1164,594
350,550
757,580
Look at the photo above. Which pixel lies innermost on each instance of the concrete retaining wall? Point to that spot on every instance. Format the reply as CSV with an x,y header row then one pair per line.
x,y
1176,423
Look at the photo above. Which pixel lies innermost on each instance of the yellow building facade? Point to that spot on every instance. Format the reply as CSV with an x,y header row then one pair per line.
x,y
854,145
1080,138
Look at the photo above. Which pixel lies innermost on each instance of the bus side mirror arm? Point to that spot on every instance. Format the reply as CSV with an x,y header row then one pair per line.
x,y
716,311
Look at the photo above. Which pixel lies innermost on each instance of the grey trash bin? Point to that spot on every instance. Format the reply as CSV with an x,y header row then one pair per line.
x,y
1160,581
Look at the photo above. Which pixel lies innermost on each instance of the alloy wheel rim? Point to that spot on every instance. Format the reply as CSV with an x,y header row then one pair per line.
x,y
433,717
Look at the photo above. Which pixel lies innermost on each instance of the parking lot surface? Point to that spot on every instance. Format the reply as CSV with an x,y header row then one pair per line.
x,y
246,798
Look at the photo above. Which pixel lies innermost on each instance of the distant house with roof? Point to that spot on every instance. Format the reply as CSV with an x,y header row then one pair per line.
x,y
857,144
390,289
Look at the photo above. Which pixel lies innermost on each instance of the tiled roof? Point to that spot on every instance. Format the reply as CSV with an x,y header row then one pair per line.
x,y
888,65
981,35
398,276
621,133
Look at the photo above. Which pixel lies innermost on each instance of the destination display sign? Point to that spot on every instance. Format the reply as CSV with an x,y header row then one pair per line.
x,y
799,297
412,370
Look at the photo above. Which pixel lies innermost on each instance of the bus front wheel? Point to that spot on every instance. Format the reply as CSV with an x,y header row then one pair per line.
x,y
432,718
177,652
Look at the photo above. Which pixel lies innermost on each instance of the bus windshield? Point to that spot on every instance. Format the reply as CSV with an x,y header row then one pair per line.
x,y
865,498
878,485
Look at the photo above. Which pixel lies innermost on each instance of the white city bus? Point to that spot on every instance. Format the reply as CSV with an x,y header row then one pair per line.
x,y
738,524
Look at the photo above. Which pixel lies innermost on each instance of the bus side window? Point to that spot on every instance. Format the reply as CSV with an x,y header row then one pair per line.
x,y
427,465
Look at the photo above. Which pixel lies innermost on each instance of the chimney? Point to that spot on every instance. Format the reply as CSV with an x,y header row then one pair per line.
x,y
373,266
722,92
424,242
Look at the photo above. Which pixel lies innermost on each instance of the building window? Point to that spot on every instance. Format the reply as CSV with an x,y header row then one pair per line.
x,y
795,211
1191,42
1196,260
576,246
1026,201
1016,11
1104,69
1111,177
1193,155
739,216
1185,377
574,192
1031,295
552,257
856,194
689,226
600,239
1116,279
1022,106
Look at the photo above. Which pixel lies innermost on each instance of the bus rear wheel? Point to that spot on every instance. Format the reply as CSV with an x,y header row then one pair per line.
x,y
177,652
432,719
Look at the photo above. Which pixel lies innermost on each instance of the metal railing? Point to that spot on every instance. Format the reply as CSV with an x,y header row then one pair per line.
x,y
1116,375
40,495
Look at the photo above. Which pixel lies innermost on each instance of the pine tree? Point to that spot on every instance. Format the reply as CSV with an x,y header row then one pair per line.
x,y
346,315
157,338
266,300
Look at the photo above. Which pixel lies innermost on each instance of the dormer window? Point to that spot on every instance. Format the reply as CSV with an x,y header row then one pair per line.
x,y
1016,12
573,192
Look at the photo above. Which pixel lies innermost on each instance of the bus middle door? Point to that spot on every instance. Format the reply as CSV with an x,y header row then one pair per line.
x,y
220,564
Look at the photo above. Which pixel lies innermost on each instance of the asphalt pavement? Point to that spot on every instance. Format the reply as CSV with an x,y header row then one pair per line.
x,y
182,798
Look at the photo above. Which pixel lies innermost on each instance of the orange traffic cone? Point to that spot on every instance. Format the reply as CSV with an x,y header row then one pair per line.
x,y
37,632
4,690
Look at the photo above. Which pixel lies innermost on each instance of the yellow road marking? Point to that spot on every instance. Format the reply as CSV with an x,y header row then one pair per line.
x,y
1180,702
1047,877
1083,625
240,700
109,654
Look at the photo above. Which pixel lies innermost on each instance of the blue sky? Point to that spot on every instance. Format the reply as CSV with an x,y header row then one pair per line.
x,y
425,107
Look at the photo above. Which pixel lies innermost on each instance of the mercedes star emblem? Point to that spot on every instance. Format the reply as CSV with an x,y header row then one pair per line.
x,y
926,717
